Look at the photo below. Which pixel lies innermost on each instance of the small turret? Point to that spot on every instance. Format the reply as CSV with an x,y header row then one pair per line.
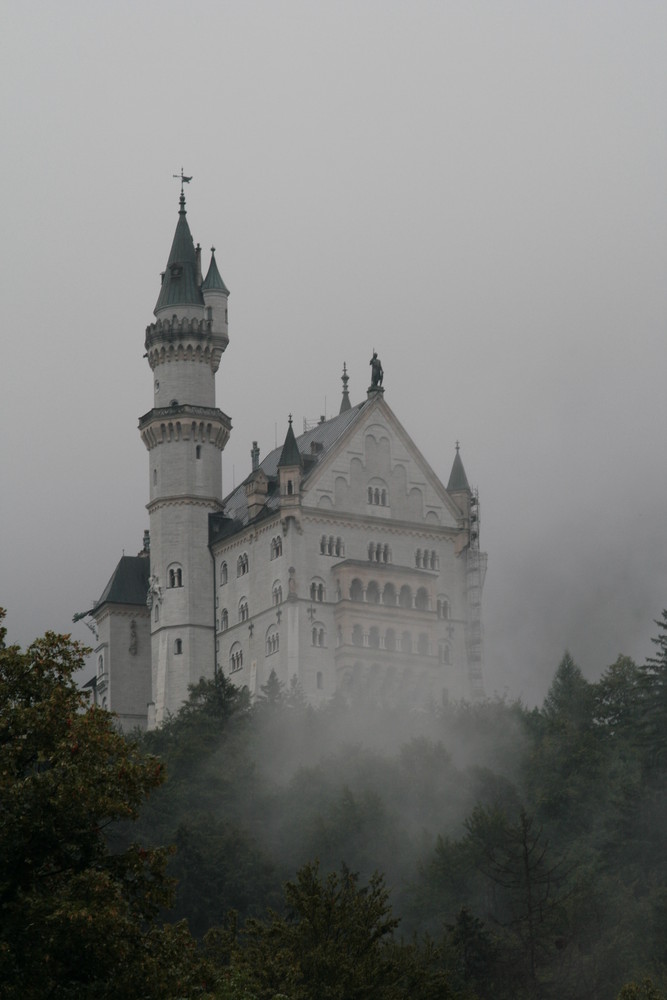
x,y
290,469
216,294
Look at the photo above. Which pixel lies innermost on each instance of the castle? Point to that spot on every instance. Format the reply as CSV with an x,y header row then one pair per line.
x,y
341,560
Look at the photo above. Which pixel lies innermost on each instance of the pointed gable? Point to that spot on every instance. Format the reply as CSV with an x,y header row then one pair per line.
x,y
375,468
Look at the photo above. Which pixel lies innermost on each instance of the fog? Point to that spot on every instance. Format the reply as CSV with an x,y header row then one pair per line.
x,y
475,190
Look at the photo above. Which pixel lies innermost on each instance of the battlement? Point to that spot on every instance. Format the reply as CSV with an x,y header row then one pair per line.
x,y
183,422
185,340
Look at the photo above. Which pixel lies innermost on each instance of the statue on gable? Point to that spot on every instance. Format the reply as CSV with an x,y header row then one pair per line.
x,y
377,374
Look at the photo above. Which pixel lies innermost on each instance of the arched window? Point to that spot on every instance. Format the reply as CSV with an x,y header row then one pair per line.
x,y
242,564
357,636
386,554
406,642
405,596
290,487
198,451
371,551
223,573
383,498
370,494
178,646
356,590
390,640
373,593
323,545
243,610
224,620
175,576
276,547
422,644
235,658
389,595
374,637
272,640
443,607
277,593
318,634
421,600
340,547
317,591
100,665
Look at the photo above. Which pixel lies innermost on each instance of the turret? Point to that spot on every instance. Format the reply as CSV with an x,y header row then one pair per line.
x,y
215,295
184,434
290,470
458,486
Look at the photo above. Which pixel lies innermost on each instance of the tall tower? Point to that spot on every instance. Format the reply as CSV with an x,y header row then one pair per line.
x,y
185,434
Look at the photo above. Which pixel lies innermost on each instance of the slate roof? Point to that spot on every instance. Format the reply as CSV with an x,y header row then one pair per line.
x,y
180,283
458,480
213,281
128,583
325,435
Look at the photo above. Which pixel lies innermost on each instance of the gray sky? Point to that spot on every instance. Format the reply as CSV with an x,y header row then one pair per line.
x,y
476,190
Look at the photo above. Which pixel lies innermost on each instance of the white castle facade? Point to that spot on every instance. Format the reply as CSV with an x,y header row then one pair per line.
x,y
341,560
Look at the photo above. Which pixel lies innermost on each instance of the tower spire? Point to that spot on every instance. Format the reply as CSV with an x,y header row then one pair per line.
x,y
458,481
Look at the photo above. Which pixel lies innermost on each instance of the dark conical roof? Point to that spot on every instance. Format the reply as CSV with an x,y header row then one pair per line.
x,y
213,281
179,282
458,480
290,455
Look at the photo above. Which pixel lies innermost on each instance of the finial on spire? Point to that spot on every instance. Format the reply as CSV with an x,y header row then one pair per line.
x,y
184,180
345,378
290,419
457,446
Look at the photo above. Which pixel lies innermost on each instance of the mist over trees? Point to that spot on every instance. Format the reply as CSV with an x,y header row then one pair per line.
x,y
468,851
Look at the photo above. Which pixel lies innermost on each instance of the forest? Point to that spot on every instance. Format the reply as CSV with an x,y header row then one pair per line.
x,y
269,849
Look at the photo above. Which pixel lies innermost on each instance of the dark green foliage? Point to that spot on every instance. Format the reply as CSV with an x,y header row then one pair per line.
x,y
335,941
77,919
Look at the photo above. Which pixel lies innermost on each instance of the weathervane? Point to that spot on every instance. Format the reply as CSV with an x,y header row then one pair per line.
x,y
183,179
